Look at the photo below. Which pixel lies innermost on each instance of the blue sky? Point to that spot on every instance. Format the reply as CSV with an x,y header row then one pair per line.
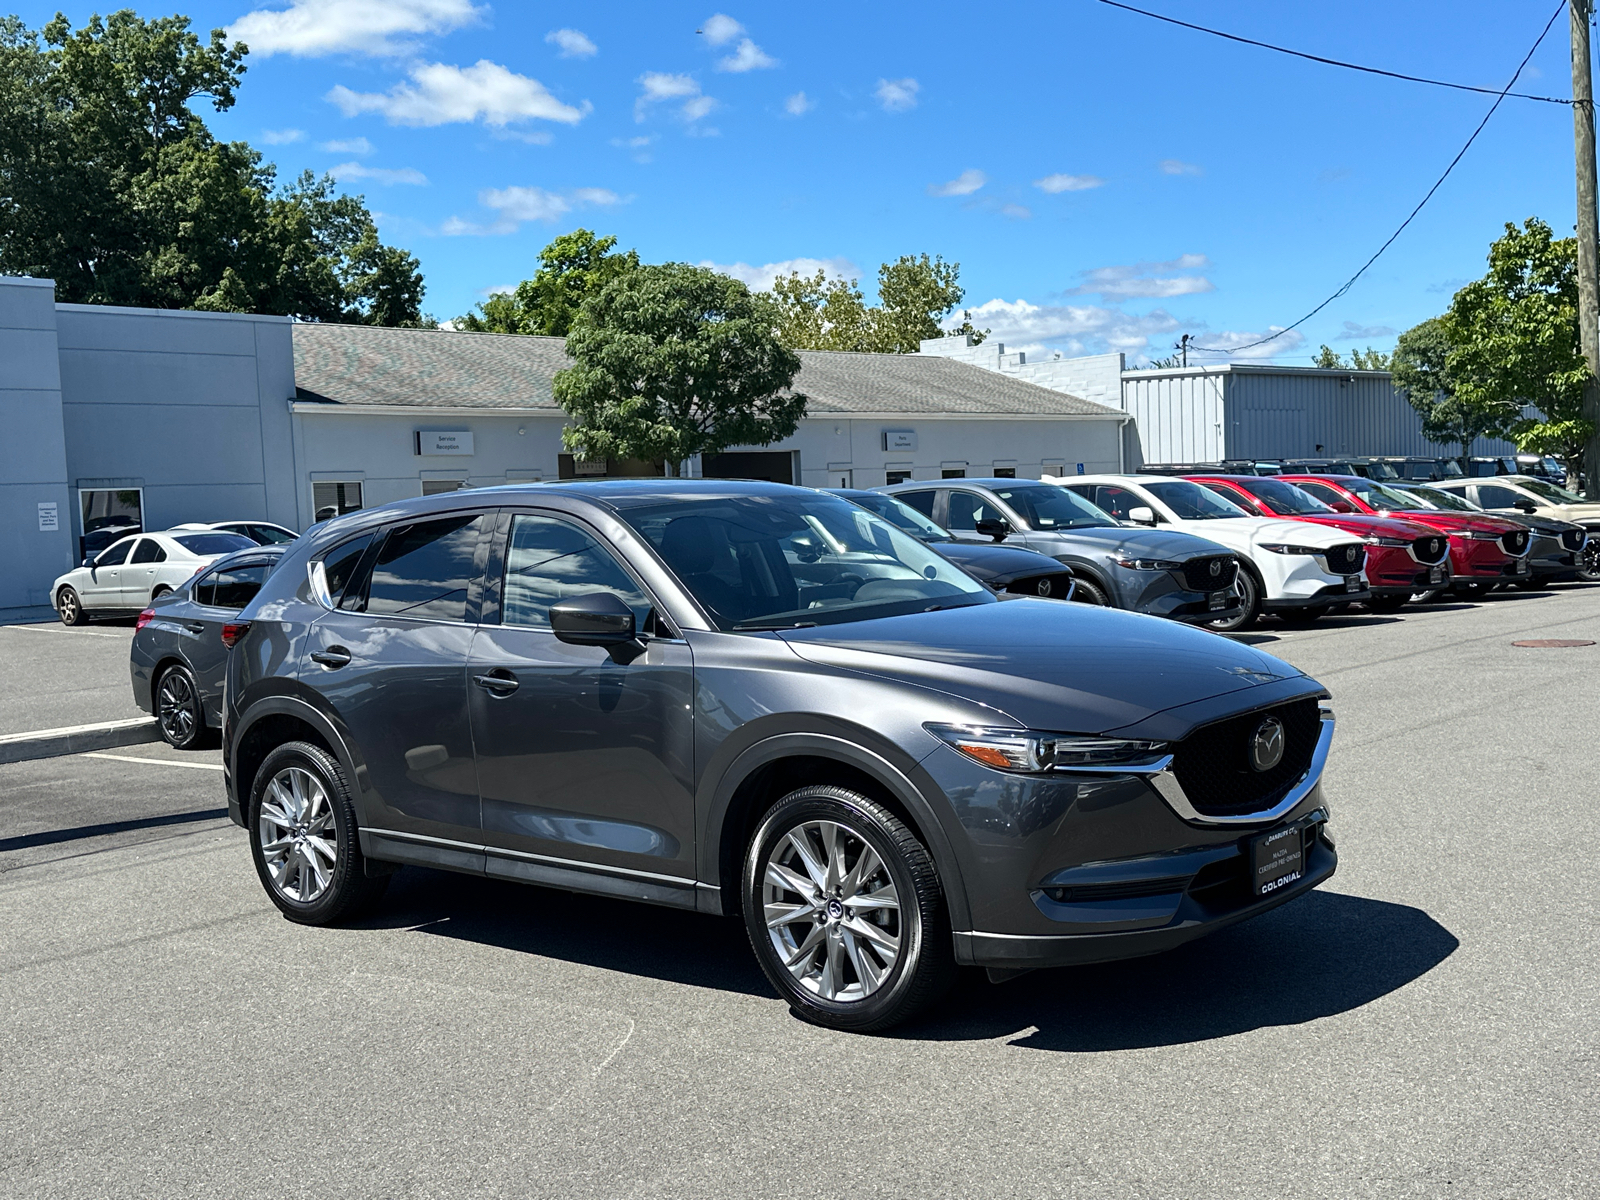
x,y
1106,182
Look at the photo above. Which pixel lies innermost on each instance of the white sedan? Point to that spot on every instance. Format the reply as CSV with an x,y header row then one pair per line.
x,y
262,533
125,576
1294,569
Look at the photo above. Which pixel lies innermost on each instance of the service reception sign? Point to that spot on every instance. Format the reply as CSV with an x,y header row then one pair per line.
x,y
443,441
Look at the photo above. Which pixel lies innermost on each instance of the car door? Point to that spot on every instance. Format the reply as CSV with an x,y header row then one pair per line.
x,y
214,600
102,584
1498,497
963,510
391,663
139,575
585,754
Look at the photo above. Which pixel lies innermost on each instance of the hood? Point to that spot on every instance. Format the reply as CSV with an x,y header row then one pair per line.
x,y
1254,530
1140,541
1073,668
1548,525
1460,522
1365,527
1586,514
996,562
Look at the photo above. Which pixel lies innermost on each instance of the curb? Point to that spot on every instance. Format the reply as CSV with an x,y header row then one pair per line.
x,y
75,739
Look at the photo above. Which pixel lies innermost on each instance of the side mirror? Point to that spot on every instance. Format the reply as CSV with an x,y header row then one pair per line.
x,y
993,527
1527,506
1341,506
1142,515
88,560
599,619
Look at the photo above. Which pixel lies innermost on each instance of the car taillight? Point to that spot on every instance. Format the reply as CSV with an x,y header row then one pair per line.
x,y
145,618
233,631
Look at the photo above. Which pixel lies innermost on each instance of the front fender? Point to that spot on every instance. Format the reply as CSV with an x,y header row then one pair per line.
x,y
298,707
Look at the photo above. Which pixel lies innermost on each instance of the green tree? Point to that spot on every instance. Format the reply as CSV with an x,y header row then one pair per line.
x,y
915,293
111,184
1421,368
1513,339
571,268
1360,360
816,313
673,360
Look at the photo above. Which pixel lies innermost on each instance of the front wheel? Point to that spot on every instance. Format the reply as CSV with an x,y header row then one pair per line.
x,y
1087,591
845,911
69,607
1589,560
1249,605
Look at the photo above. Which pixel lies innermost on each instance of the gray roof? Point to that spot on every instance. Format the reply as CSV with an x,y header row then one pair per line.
x,y
425,368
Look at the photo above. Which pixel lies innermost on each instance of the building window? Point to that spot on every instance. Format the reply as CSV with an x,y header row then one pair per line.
x,y
329,500
892,477
438,487
953,473
1005,472
109,514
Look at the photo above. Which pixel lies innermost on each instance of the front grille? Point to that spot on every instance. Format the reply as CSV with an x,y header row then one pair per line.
x,y
1515,542
1346,559
1213,573
1573,539
1213,763
1429,550
1051,587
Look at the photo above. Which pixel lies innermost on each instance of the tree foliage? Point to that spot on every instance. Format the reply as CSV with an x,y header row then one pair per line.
x,y
571,268
1359,360
1421,368
915,293
671,361
1513,339
111,184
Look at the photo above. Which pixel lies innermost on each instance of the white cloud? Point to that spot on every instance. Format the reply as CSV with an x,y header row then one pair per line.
x,y
1070,328
358,145
963,184
637,147
383,28
281,137
660,87
1353,332
721,29
1055,184
1147,279
1225,343
573,44
747,57
379,175
897,95
498,289
513,205
1174,166
1017,212
441,94
798,105
760,279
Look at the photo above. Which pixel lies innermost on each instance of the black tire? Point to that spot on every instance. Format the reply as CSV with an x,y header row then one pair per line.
x,y
1388,604
924,964
180,713
349,890
1087,591
161,591
1589,560
69,607
1249,607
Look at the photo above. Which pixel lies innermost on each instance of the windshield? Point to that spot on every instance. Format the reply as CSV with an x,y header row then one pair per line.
x,y
1552,493
902,516
780,561
1284,498
1046,506
205,544
1191,502
1381,470
1438,498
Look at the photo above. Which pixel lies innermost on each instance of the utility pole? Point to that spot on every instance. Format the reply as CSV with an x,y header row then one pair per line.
x,y
1183,348
1588,234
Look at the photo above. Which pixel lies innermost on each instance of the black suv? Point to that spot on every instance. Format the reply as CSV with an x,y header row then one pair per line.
x,y
765,702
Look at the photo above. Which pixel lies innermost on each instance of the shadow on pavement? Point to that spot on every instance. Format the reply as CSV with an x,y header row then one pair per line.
x,y
1324,954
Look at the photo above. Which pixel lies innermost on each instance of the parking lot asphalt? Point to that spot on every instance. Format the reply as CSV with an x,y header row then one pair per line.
x,y
58,676
1425,1025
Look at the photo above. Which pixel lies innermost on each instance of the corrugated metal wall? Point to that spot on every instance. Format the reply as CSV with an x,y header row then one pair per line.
x,y
1179,416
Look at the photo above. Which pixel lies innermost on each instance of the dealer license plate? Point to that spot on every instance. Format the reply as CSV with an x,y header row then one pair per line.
x,y
1219,601
1522,566
1277,859
1352,583
1436,575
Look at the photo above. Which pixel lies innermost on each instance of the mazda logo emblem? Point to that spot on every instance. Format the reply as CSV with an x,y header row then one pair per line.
x,y
1044,587
1266,747
1216,566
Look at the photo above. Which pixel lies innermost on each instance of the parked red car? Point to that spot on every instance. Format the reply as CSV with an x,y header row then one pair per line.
x,y
1403,556
1485,551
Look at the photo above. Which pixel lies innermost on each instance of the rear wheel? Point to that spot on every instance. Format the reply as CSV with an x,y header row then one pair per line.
x,y
1249,605
303,837
1087,591
161,591
70,608
845,912
179,713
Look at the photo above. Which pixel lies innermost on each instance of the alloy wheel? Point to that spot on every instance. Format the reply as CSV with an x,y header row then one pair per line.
x,y
1589,561
176,709
832,911
69,607
299,842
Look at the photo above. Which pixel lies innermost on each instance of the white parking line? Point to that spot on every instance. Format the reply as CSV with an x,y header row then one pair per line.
x,y
156,762
61,629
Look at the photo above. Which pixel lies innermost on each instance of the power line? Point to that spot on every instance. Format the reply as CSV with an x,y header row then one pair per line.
x,y
1333,62
1349,283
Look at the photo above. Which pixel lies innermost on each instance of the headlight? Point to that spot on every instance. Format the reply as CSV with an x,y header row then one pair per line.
x,y
1286,548
1148,564
1029,751
1481,535
1386,541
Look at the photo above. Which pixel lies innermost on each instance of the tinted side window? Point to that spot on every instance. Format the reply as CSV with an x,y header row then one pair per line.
x,y
148,551
115,556
236,587
1119,502
339,568
268,536
967,509
425,569
921,501
548,561
204,590
1323,492
1495,496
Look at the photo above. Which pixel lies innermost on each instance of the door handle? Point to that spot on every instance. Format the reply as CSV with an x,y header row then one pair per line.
x,y
333,657
500,682
194,626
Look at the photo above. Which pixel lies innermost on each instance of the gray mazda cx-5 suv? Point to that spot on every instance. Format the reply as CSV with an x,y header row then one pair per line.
x,y
1157,571
764,702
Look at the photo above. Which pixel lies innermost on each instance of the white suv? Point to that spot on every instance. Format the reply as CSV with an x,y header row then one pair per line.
x,y
1293,569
